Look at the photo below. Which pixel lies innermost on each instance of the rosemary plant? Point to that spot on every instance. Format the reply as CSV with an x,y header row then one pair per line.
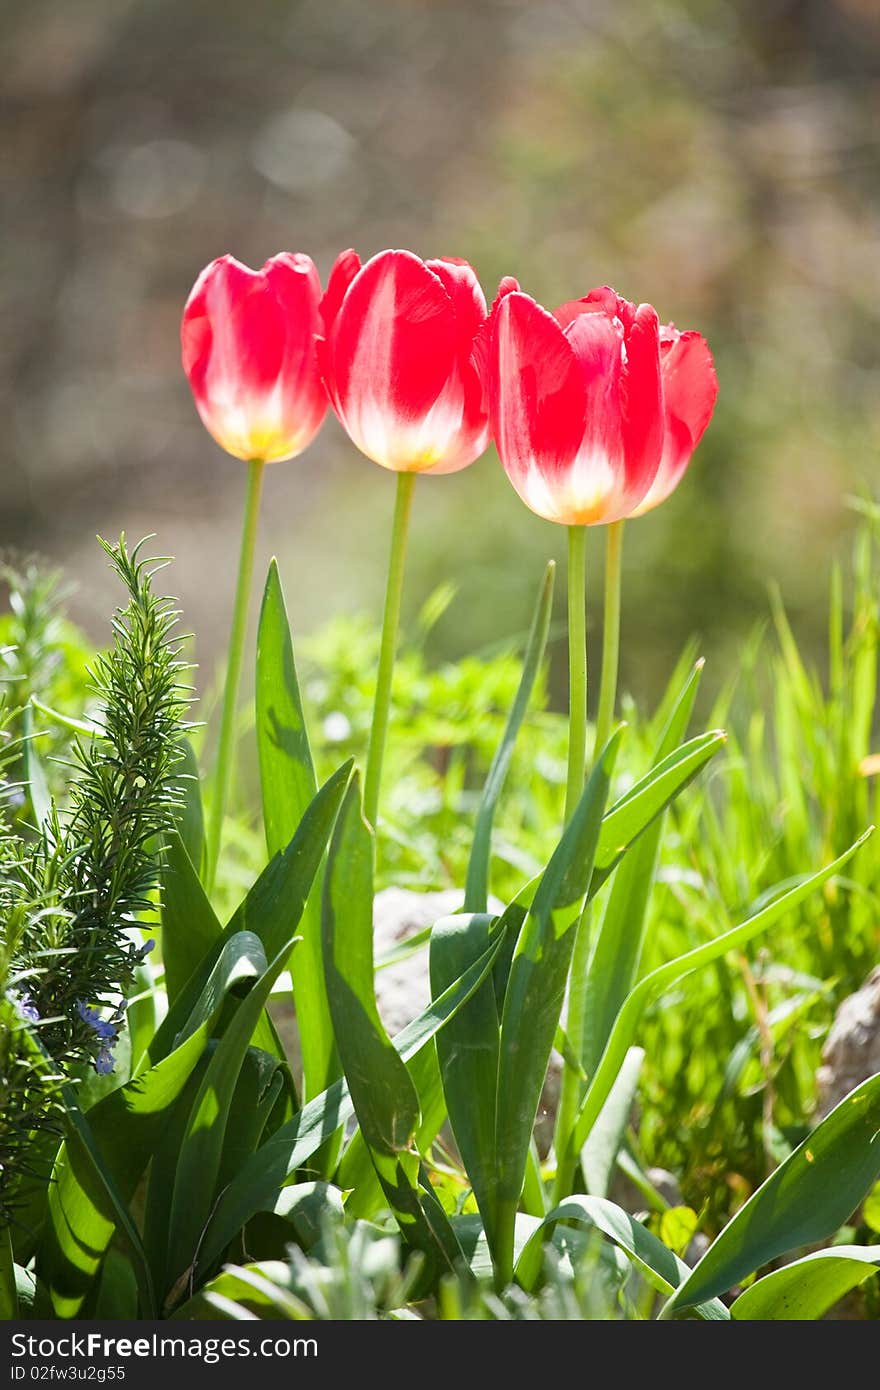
x,y
73,888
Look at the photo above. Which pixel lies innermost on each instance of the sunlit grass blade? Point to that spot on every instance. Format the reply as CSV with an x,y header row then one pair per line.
x,y
658,981
619,940
633,812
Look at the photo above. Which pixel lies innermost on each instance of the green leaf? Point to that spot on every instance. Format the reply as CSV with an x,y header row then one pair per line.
x,y
383,1095
94,1192
123,1130
287,772
617,951
273,906
807,1288
190,928
467,1050
289,786
599,1155
191,816
665,976
536,985
261,1179
661,1267
244,1292
385,1100
275,903
635,811
871,1210
678,1226
812,1193
477,882
239,961
34,772
8,1289
201,1151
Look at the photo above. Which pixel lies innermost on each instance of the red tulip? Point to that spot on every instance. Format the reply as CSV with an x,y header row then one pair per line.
x,y
398,360
576,403
248,340
690,388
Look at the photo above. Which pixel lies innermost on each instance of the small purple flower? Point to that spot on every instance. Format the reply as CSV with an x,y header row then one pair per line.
x,y
105,1031
147,947
27,1009
104,1062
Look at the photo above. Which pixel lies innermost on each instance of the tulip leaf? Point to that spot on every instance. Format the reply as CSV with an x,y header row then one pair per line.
x,y
803,1202
275,1163
661,1267
807,1288
614,961
477,882
8,1287
599,1155
190,815
289,787
385,1100
467,1050
190,927
201,1150
125,1126
536,983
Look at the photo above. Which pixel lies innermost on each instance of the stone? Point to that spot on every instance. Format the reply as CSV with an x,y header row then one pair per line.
x,y
852,1049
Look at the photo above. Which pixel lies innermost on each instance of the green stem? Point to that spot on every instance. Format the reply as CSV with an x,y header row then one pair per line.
x,y
577,667
225,747
577,754
390,625
610,636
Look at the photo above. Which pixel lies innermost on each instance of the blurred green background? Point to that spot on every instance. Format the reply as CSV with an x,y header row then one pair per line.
x,y
717,159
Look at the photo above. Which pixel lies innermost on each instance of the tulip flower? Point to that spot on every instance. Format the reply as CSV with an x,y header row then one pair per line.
x,y
576,404
398,360
248,341
399,366
596,411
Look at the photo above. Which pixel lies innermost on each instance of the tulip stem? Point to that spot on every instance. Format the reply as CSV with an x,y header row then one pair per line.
x,y
610,636
225,747
388,649
577,667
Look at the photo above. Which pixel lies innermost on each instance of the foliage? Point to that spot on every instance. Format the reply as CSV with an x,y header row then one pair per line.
x,y
216,1178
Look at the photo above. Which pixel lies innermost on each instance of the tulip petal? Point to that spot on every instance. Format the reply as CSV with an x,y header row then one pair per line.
x,y
690,389
391,351
603,300
536,402
466,293
642,405
247,341
345,268
482,350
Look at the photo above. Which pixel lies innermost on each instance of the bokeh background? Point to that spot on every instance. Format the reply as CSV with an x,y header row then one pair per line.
x,y
718,159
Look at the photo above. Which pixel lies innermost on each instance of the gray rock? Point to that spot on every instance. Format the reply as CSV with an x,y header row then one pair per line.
x,y
852,1050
